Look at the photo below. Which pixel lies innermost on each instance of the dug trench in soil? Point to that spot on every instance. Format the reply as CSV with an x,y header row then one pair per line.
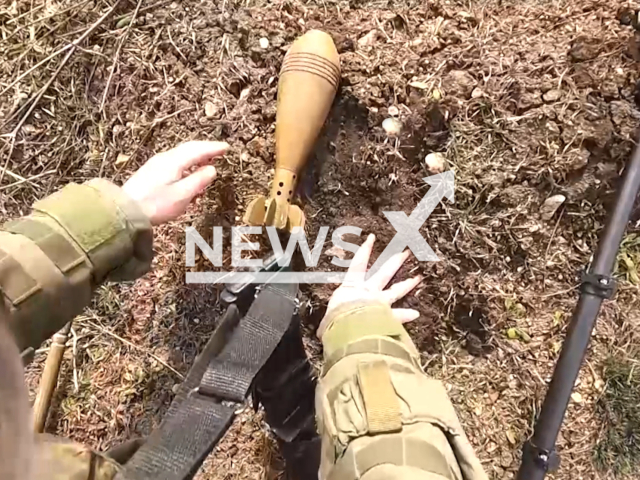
x,y
525,100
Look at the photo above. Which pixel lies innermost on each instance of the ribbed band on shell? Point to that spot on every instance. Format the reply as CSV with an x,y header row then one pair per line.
x,y
311,63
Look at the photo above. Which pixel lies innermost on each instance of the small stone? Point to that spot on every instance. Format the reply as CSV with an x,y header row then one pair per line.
x,y
436,94
436,162
553,127
577,397
244,94
392,126
210,109
336,251
393,111
477,93
419,85
598,384
122,158
123,22
369,39
264,43
552,95
175,388
551,205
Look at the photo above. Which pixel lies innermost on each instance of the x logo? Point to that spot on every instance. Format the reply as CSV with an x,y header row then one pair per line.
x,y
408,227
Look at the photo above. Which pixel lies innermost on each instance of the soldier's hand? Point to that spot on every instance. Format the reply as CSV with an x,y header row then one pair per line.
x,y
355,287
168,182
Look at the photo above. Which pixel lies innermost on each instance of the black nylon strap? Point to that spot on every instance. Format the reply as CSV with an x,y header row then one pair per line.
x,y
231,373
197,417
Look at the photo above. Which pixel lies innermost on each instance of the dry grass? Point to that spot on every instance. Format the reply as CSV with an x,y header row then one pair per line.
x,y
546,106
618,447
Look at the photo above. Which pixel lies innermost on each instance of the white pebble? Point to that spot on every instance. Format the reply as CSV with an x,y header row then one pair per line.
x,y
436,162
264,43
393,111
210,109
477,93
392,126
550,206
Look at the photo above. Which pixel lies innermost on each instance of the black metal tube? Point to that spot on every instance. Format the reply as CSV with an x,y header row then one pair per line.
x,y
536,454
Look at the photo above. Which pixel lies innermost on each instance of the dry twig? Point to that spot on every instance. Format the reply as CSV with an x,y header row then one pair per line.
x,y
133,345
75,43
71,47
117,54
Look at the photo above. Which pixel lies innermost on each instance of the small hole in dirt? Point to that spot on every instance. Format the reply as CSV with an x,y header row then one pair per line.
x,y
279,192
470,319
294,177
290,192
281,184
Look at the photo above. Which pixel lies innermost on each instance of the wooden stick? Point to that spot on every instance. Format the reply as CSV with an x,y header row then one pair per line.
x,y
49,378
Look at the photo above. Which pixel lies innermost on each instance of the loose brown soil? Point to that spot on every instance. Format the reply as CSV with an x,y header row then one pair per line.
x,y
525,99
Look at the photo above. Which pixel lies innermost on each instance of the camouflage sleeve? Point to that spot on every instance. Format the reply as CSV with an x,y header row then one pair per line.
x,y
75,239
62,459
379,415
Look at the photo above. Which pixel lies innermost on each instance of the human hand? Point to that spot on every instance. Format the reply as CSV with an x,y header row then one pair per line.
x,y
166,184
355,287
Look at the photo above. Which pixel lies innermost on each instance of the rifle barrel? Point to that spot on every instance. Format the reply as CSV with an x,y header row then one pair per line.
x,y
538,454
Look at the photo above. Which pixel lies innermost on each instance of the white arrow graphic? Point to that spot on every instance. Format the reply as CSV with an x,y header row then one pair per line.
x,y
408,228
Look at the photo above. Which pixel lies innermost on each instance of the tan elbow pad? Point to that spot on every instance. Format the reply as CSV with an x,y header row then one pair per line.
x,y
74,240
376,408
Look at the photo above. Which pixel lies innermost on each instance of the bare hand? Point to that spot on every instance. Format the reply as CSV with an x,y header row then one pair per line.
x,y
355,287
166,184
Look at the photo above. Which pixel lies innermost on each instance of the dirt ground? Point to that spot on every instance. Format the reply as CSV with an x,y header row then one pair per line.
x,y
526,100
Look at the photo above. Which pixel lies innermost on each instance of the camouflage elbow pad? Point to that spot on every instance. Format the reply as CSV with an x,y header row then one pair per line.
x,y
75,239
378,414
